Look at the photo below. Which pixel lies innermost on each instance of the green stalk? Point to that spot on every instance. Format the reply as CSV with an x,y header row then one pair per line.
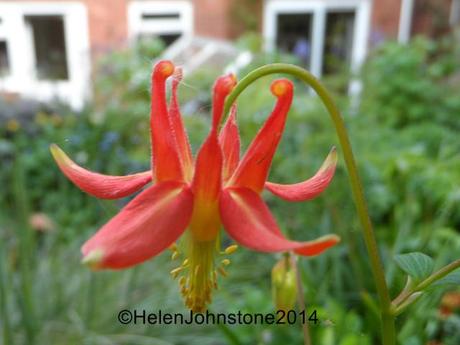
x,y
26,248
441,273
4,282
301,300
387,319
400,303
91,300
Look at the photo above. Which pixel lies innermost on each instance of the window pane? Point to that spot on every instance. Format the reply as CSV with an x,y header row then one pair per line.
x,y
49,46
167,39
294,35
338,42
4,63
153,16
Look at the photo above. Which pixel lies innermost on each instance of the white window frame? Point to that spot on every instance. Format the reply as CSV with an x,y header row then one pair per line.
x,y
319,9
23,75
182,25
405,20
454,18
4,37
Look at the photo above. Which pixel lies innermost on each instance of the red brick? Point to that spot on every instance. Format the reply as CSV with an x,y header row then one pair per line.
x,y
385,18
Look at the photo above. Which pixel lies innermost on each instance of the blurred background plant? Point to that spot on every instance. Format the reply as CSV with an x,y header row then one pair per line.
x,y
405,135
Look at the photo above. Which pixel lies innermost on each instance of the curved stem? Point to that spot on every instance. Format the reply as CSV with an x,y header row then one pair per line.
x,y
404,296
404,293
388,326
300,299
441,273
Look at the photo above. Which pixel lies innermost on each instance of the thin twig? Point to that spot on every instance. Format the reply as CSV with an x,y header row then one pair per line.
x,y
301,301
399,303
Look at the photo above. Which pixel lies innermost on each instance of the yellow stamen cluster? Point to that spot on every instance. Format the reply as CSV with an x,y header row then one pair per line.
x,y
198,272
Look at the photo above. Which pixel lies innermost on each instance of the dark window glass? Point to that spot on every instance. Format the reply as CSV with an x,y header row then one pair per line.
x,y
167,39
49,47
4,63
151,16
338,43
294,35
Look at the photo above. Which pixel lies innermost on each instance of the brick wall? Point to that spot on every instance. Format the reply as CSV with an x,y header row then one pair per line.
x,y
385,20
108,25
212,18
431,17
227,19
246,16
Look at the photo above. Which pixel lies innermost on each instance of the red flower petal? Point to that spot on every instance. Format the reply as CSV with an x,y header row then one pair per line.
x,y
178,128
101,186
310,188
253,169
207,181
222,87
206,187
165,157
249,222
229,139
145,227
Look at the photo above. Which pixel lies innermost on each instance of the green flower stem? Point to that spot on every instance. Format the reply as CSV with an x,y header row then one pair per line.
x,y
4,288
400,302
26,249
407,302
301,299
404,293
441,273
388,320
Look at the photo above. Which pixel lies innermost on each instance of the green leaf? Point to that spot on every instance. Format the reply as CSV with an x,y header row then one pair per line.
x,y
453,278
417,265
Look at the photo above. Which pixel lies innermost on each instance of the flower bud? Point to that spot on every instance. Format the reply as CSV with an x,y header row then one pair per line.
x,y
284,285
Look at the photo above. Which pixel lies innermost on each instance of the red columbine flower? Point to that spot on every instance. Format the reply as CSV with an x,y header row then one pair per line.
x,y
195,198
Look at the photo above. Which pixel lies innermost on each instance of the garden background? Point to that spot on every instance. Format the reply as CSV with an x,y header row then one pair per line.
x,y
404,129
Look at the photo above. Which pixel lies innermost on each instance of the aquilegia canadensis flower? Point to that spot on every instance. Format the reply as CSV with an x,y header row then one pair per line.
x,y
191,199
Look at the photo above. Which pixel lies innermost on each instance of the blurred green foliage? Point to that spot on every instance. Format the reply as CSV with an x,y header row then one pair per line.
x,y
404,128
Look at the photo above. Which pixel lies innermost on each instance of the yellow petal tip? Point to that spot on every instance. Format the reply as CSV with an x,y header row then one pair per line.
x,y
331,160
333,237
54,149
166,68
60,156
93,258
280,87
57,153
